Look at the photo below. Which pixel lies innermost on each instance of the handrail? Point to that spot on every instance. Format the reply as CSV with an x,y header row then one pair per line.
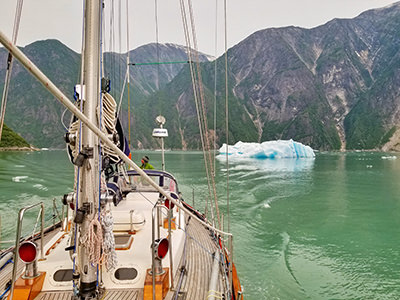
x,y
49,85
55,209
18,238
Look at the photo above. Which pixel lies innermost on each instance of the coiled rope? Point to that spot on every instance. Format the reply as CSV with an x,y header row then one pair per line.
x,y
109,121
93,241
109,253
74,130
108,127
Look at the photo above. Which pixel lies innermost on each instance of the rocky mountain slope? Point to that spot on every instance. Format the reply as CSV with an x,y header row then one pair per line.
x,y
35,114
335,86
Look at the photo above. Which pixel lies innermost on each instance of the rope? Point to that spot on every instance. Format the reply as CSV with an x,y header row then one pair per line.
x,y
17,19
110,255
74,129
93,241
108,123
62,119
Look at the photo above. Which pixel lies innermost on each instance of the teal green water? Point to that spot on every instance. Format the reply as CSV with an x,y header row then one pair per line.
x,y
304,229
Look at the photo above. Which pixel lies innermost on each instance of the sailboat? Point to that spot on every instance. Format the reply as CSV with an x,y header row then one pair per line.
x,y
125,233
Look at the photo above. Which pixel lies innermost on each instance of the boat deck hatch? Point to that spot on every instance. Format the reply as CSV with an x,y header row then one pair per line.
x,y
123,241
63,275
126,273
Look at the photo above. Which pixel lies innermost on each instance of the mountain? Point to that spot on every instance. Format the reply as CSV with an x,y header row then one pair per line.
x,y
10,139
31,110
331,87
35,113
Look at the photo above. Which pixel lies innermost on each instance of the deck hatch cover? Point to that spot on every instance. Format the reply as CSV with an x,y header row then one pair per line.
x,y
63,275
123,240
126,273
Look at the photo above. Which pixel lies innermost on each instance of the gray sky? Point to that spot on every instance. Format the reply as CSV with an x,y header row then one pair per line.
x,y
62,19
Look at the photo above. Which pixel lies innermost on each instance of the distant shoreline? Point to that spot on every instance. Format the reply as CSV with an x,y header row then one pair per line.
x,y
9,149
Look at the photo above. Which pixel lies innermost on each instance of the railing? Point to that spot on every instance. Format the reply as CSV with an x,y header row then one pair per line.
x,y
56,212
1,241
18,238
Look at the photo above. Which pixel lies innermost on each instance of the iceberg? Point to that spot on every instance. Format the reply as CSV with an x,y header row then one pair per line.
x,y
268,150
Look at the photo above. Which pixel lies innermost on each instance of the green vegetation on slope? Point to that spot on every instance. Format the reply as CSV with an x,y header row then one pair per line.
x,y
11,139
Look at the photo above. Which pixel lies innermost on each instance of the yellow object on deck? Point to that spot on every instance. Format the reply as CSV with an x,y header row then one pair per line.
x,y
162,285
28,289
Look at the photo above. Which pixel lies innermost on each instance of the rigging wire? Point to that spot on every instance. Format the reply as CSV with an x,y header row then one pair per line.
x,y
230,243
17,20
215,82
78,169
112,42
158,56
200,107
128,74
189,53
203,108
227,116
119,57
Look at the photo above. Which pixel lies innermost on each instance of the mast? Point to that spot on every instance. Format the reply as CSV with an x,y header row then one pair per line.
x,y
88,192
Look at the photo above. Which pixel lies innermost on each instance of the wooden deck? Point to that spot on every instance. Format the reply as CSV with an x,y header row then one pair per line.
x,y
196,262
6,272
128,294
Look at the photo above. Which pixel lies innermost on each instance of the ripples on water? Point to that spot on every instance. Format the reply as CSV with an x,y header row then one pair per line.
x,y
318,229
304,229
27,178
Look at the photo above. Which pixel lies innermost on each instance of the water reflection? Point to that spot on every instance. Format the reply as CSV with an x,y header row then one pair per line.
x,y
269,165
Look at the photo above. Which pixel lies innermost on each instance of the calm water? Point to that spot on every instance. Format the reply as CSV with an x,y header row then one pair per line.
x,y
304,229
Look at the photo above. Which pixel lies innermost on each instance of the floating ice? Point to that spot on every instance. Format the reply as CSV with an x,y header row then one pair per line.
x,y
270,149
389,157
19,178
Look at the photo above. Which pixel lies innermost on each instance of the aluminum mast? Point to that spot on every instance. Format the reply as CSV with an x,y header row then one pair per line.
x,y
88,192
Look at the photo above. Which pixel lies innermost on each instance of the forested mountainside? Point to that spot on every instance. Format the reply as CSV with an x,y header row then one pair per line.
x,y
335,86
11,139
35,114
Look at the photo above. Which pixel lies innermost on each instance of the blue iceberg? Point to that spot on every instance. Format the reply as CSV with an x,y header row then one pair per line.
x,y
268,150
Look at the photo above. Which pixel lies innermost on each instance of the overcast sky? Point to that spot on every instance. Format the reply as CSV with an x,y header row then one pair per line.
x,y
62,19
